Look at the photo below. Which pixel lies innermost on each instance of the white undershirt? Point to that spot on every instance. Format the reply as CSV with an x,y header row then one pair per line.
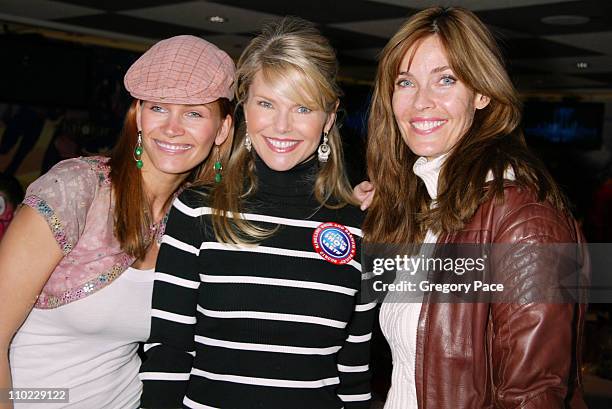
x,y
89,346
399,318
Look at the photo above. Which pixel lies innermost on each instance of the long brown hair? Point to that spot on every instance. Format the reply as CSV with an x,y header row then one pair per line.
x,y
132,213
291,51
400,211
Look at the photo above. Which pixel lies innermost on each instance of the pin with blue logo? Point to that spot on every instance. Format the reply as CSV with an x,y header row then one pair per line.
x,y
334,242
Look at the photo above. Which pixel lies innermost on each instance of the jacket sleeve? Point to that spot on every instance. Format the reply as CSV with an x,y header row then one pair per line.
x,y
170,348
63,196
535,331
354,357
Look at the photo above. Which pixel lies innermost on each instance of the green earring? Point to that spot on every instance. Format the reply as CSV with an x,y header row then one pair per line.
x,y
218,167
138,151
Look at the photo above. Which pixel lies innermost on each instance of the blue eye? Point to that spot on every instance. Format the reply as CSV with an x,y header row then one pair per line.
x,y
264,104
304,110
194,114
448,80
157,108
404,83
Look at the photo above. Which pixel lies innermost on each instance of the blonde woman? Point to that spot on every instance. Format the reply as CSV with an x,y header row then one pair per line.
x,y
77,260
256,299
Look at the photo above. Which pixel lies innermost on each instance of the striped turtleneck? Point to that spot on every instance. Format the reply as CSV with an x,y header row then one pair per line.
x,y
266,326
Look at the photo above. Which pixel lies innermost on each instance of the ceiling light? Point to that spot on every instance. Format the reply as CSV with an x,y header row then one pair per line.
x,y
565,20
217,19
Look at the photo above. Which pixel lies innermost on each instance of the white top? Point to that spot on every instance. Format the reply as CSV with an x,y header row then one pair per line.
x,y
89,346
399,318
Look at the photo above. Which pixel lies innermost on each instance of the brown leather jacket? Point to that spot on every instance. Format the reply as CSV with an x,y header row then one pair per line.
x,y
481,355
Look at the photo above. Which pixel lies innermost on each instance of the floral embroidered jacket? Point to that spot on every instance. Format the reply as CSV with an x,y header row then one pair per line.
x,y
75,199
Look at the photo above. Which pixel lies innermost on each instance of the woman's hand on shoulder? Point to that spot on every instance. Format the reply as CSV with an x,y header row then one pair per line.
x,y
363,193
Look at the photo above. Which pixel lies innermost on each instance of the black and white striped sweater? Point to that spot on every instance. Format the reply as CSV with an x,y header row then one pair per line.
x,y
269,326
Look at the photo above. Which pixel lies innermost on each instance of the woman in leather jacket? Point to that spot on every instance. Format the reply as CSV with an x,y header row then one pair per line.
x,y
450,165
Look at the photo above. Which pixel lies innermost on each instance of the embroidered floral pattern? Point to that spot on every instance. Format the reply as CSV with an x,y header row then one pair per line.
x,y
100,166
162,226
53,221
75,198
48,301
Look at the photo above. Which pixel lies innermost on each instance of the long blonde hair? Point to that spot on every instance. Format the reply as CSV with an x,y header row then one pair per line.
x,y
400,211
292,52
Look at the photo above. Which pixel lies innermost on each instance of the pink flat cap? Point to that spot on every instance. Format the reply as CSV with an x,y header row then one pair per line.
x,y
182,70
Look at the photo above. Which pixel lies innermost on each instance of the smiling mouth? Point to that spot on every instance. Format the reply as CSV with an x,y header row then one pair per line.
x,y
281,145
172,147
427,126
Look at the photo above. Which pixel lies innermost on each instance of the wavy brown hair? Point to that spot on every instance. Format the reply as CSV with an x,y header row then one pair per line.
x,y
400,211
292,55
132,209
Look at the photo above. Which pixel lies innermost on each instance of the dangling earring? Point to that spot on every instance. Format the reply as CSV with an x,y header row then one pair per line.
x,y
324,149
218,167
247,142
138,151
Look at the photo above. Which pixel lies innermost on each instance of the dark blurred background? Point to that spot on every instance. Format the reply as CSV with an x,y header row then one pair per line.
x,y
61,94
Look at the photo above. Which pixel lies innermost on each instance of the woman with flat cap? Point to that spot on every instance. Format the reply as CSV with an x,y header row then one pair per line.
x,y
77,261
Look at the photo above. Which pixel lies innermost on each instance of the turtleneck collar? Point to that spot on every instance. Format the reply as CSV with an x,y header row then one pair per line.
x,y
429,170
298,181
